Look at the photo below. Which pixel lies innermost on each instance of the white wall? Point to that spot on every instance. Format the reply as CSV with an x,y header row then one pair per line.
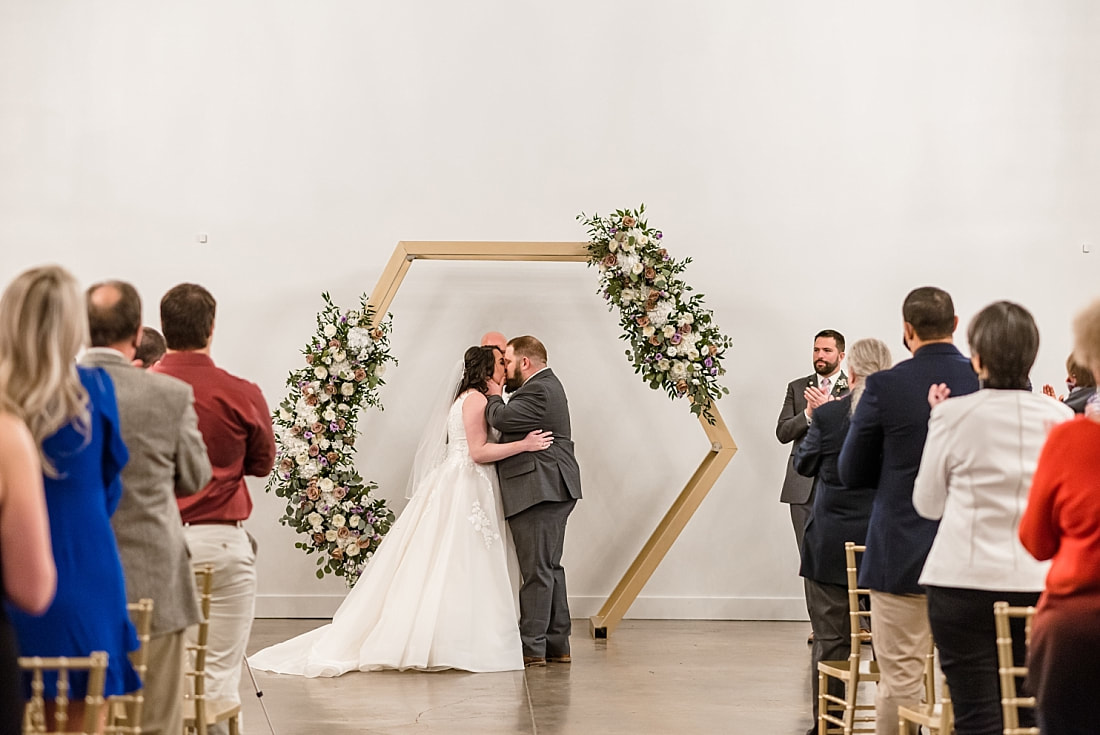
x,y
817,160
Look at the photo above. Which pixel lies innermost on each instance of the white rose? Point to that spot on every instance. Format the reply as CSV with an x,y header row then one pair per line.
x,y
326,485
314,519
338,521
692,354
330,330
309,469
329,414
339,355
284,414
668,331
686,319
330,535
324,444
354,521
352,549
324,398
302,458
347,389
627,295
320,373
612,246
637,268
663,365
671,351
343,407
642,239
338,444
649,330
627,245
679,370
380,369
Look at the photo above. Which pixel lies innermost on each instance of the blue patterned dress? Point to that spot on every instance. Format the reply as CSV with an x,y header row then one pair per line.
x,y
89,611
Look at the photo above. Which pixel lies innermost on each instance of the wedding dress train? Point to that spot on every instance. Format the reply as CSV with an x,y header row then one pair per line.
x,y
440,591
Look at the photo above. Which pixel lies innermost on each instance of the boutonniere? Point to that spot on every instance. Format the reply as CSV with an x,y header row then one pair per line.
x,y
841,383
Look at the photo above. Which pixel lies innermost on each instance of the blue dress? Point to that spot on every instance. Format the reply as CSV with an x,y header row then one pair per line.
x,y
89,611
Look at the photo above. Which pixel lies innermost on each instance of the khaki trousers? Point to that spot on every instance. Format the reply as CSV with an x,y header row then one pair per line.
x,y
163,686
902,638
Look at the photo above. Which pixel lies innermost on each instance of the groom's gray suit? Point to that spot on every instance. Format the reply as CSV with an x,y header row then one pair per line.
x,y
539,490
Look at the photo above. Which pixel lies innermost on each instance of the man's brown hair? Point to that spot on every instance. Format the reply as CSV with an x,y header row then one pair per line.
x,y
187,316
529,347
115,321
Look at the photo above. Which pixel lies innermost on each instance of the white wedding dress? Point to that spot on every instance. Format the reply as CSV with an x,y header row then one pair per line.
x,y
440,591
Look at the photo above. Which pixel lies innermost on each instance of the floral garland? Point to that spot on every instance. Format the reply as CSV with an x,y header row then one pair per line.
x,y
315,434
674,342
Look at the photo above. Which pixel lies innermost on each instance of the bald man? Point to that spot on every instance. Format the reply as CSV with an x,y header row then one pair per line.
x,y
495,339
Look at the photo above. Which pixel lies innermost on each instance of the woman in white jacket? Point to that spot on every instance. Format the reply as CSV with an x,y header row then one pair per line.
x,y
974,477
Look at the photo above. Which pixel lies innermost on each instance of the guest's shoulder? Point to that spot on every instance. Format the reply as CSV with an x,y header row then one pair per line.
x,y
833,411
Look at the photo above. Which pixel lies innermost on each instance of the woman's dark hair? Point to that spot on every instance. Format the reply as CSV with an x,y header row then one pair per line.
x,y
478,365
1006,340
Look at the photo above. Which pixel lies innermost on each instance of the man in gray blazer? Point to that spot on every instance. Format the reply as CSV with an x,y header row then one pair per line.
x,y
538,490
803,396
167,458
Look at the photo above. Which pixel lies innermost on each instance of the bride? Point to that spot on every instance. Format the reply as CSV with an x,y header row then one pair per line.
x,y
440,591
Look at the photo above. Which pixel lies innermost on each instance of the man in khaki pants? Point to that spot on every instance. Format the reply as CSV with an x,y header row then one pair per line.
x,y
167,457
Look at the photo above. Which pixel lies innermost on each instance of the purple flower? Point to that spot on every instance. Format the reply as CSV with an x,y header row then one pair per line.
x,y
676,339
714,371
307,434
709,362
344,319
658,356
658,234
322,461
334,426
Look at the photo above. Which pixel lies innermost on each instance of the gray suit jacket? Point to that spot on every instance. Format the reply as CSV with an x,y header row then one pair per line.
x,y
534,477
792,426
167,457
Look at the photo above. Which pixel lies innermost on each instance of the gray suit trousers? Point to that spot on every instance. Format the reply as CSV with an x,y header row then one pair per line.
x,y
539,535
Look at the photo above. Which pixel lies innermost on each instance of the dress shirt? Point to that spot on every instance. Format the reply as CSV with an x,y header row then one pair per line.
x,y
236,426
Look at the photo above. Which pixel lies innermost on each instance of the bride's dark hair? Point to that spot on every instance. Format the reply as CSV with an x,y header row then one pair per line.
x,y
478,365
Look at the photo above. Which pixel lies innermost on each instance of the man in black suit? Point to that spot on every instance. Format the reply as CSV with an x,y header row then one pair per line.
x,y
827,382
883,450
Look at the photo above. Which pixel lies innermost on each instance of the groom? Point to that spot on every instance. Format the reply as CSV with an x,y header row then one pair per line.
x,y
539,490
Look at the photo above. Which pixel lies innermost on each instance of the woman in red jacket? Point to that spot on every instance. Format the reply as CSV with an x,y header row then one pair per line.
x,y
1062,522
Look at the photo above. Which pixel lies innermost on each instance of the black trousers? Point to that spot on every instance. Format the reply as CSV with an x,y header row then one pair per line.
x,y
966,637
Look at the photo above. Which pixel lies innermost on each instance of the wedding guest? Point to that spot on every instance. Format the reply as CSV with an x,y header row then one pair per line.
x,y
1079,382
840,514
974,474
495,339
151,349
236,426
1062,523
26,561
167,458
71,414
883,449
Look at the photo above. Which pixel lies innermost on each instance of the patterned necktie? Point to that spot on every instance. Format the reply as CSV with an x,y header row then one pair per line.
x,y
825,386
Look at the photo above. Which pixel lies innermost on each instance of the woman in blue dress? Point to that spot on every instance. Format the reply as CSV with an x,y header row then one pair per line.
x,y
72,416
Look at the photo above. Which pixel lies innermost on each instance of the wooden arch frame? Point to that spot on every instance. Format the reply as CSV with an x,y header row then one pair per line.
x,y
722,446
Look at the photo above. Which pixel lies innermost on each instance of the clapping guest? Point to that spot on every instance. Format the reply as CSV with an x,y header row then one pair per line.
x,y
1079,382
1062,523
839,514
72,417
29,576
974,476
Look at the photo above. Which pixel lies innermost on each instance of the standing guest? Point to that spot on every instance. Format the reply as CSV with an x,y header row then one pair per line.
x,y
26,562
72,417
167,457
1062,523
236,426
840,514
974,477
883,450
804,395
1079,382
495,339
151,348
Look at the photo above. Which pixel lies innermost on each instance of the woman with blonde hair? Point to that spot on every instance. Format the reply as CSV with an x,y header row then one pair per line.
x,y
839,514
72,419
1062,523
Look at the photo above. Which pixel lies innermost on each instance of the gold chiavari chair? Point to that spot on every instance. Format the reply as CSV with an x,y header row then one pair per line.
x,y
934,716
35,717
124,710
198,711
843,714
1010,699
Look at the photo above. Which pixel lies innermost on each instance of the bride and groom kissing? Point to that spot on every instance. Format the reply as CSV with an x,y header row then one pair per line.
x,y
440,592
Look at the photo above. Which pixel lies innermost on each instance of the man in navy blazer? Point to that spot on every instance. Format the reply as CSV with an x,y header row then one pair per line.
x,y
883,450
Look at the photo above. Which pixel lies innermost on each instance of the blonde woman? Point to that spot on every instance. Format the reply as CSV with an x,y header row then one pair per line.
x,y
72,418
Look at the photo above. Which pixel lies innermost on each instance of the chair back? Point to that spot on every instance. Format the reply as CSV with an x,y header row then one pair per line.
x,y
195,700
35,718
1003,613
860,633
124,711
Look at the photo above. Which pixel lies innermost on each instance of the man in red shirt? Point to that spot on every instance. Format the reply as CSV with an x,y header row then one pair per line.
x,y
236,426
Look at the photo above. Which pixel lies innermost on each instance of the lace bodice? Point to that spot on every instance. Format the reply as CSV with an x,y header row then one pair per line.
x,y
456,431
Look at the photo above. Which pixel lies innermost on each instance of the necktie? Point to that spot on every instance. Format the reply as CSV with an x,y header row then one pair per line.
x,y
825,385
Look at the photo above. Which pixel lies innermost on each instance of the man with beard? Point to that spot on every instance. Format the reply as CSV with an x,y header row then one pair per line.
x,y
827,382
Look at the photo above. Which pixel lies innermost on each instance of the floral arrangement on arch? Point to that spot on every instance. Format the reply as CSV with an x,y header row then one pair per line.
x,y
674,342
327,500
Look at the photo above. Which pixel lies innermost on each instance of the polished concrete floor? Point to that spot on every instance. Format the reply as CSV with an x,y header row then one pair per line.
x,y
652,676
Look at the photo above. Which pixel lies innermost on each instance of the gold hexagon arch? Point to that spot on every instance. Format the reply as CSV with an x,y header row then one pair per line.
x,y
722,446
